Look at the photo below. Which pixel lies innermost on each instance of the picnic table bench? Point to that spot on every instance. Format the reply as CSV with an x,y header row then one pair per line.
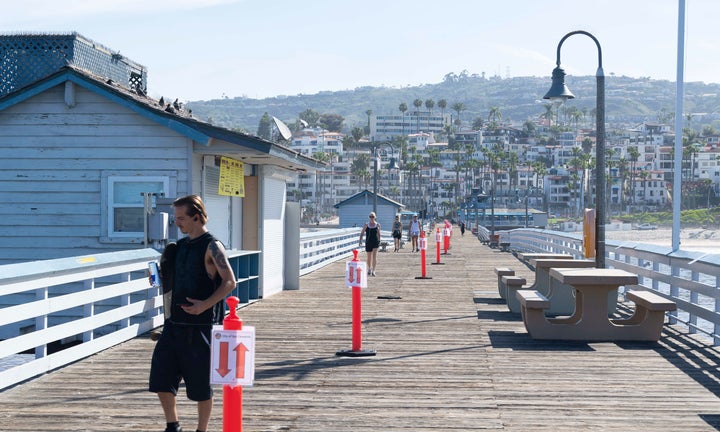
x,y
500,272
563,299
590,320
561,295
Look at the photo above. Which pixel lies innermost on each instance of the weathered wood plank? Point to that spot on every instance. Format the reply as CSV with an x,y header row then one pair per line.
x,y
449,357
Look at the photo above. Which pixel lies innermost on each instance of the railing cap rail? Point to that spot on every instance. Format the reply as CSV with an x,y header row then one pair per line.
x,y
12,273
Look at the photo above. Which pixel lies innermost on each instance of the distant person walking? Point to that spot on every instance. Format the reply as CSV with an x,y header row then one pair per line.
x,y
371,230
414,231
397,230
462,228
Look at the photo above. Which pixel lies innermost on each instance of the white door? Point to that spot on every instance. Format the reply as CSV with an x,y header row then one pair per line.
x,y
218,206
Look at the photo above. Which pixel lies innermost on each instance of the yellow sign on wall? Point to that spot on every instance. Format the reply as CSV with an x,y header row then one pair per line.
x,y
232,177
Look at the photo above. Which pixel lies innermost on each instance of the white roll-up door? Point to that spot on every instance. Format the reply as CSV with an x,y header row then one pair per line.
x,y
218,206
273,215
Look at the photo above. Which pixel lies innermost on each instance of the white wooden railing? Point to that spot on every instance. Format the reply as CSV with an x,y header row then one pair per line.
x,y
690,279
322,247
106,298
90,302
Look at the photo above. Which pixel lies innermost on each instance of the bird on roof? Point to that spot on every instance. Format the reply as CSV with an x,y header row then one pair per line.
x,y
177,105
170,109
161,102
110,82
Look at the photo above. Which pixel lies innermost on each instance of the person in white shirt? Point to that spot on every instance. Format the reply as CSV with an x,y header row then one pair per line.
x,y
414,230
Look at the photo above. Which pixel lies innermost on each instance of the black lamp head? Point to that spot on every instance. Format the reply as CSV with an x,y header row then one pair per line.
x,y
558,90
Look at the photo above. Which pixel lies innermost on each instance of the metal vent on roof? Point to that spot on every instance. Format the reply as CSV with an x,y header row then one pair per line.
x,y
27,58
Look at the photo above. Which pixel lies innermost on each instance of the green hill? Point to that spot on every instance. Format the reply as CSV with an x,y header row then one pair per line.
x,y
628,101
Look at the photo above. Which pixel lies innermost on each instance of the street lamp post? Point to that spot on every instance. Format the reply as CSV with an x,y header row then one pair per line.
x,y
558,91
375,170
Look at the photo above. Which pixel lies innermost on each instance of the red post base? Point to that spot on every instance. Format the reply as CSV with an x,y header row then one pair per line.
x,y
356,350
422,266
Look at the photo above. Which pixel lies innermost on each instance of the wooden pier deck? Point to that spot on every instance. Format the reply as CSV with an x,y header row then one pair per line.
x,y
449,358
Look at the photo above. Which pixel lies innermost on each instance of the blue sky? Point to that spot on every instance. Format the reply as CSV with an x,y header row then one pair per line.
x,y
204,49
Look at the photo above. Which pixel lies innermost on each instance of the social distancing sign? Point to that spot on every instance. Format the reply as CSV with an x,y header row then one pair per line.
x,y
356,274
232,359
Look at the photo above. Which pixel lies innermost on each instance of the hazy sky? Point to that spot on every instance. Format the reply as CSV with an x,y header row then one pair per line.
x,y
203,49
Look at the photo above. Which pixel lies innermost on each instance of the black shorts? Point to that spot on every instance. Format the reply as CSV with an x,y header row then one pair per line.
x,y
370,246
397,234
182,353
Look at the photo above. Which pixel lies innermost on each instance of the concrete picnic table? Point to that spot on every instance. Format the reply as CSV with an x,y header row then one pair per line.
x,y
590,320
562,297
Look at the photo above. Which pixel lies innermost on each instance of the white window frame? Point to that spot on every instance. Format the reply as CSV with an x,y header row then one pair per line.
x,y
111,181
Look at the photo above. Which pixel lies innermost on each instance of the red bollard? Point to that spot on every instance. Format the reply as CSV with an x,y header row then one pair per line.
x,y
422,243
232,396
438,240
356,274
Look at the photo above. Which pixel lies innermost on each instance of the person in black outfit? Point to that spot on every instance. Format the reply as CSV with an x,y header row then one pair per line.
x,y
372,242
397,229
202,278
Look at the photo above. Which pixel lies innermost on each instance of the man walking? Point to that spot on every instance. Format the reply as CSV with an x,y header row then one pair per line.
x,y
202,279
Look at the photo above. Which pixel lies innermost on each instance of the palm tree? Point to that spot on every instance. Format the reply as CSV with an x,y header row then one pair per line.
x,y
359,167
429,104
357,134
417,103
368,113
494,116
644,176
458,107
442,104
548,114
540,170
403,108
529,128
574,185
634,155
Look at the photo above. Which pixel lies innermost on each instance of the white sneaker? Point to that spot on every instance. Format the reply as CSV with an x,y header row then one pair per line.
x,y
373,272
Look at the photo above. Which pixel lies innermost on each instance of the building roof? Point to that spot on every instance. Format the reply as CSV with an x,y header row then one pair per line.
x,y
247,148
369,194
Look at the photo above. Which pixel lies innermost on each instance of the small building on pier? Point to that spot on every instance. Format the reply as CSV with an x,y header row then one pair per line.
x,y
81,142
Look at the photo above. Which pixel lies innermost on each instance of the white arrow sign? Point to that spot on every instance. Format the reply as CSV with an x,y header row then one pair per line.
x,y
232,356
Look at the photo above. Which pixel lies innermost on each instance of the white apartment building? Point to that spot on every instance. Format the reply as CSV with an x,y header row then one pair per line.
x,y
384,127
310,141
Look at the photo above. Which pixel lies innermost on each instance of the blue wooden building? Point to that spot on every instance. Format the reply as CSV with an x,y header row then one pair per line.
x,y
80,140
354,211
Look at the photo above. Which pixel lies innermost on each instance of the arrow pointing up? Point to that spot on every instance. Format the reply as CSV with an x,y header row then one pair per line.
x,y
241,350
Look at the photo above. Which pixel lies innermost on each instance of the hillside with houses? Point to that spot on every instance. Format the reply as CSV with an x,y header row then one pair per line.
x,y
445,148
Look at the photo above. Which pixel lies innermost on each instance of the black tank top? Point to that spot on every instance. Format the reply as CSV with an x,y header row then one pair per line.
x,y
192,280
